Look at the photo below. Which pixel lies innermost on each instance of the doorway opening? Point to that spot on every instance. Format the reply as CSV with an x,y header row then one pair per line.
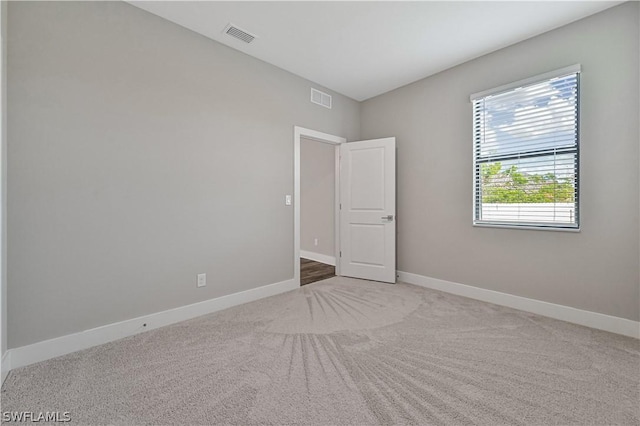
x,y
317,199
317,234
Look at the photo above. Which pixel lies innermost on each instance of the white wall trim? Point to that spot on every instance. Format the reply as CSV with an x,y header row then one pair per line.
x,y
47,349
565,313
318,257
5,367
298,134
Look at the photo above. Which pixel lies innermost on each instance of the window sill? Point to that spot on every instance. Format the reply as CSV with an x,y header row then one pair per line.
x,y
526,227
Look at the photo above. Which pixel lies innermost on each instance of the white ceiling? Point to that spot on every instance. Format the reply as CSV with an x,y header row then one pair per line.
x,y
366,48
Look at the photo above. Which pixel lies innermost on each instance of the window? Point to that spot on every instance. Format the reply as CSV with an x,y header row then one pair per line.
x,y
526,153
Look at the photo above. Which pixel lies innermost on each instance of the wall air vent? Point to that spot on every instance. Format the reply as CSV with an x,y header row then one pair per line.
x,y
320,98
236,32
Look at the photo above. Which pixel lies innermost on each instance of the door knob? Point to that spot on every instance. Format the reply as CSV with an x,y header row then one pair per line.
x,y
388,217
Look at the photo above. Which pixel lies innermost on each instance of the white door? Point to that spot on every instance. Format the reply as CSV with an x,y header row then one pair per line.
x,y
368,209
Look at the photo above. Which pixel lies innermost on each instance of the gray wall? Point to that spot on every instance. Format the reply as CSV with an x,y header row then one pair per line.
x,y
3,180
317,196
596,269
141,154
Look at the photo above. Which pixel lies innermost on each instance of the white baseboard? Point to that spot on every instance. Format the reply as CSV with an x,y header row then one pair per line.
x,y
5,367
47,349
322,258
565,313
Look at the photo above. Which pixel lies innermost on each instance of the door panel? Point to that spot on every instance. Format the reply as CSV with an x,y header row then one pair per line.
x,y
367,244
367,216
367,181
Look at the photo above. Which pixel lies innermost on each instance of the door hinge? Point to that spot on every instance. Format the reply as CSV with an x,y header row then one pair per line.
x,y
340,253
340,206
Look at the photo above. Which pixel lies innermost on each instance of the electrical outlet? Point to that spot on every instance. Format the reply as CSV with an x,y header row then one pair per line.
x,y
315,242
202,280
287,200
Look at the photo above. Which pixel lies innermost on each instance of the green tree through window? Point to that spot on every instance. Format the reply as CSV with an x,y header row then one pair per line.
x,y
509,185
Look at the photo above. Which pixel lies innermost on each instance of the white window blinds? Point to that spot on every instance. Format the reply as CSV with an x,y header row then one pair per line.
x,y
526,152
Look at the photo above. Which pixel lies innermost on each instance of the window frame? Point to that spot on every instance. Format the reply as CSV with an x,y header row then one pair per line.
x,y
477,201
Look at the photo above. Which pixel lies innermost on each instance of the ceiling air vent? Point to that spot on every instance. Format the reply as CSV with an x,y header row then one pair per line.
x,y
320,98
236,32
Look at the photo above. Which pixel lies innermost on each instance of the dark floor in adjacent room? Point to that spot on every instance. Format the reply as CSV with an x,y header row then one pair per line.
x,y
312,271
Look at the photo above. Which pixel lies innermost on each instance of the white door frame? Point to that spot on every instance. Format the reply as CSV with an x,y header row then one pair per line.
x,y
298,134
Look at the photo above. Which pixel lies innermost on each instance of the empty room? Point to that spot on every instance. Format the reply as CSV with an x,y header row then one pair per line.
x,y
320,213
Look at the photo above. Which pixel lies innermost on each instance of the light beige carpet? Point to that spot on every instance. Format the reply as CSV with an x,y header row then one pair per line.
x,y
345,351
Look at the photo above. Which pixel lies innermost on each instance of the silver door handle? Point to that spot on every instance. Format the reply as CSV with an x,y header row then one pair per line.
x,y
389,217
